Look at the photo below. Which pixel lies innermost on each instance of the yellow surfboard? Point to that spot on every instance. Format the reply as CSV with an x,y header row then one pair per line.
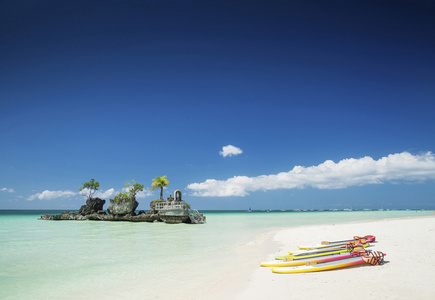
x,y
303,261
347,262
320,246
319,253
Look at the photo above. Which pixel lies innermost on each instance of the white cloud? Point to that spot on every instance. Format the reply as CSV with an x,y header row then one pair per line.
x,y
7,190
141,195
49,195
110,193
103,194
230,150
328,175
106,194
145,193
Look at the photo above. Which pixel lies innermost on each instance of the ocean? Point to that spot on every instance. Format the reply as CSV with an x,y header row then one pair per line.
x,y
90,259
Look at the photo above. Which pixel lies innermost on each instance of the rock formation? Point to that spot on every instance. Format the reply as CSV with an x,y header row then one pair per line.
x,y
93,205
123,209
122,206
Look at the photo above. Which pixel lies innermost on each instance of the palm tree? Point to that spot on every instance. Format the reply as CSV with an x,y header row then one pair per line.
x,y
160,182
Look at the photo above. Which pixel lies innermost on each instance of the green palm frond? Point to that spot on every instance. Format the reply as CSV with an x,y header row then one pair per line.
x,y
159,181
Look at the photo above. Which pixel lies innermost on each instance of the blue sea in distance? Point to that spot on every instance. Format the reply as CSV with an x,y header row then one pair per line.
x,y
90,259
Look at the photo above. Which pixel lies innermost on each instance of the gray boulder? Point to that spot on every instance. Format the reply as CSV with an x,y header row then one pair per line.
x,y
66,215
93,205
85,210
122,206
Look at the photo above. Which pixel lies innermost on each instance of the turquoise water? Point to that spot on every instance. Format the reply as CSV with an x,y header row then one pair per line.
x,y
83,259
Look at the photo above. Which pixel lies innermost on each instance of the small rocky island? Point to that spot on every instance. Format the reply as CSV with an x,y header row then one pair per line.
x,y
173,210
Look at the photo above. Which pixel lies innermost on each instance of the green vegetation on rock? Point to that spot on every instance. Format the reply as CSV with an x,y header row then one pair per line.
x,y
90,186
132,189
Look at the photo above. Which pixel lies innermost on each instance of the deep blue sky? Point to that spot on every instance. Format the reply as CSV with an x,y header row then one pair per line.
x,y
121,90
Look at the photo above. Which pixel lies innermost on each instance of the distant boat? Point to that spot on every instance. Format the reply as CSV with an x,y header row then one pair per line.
x,y
249,210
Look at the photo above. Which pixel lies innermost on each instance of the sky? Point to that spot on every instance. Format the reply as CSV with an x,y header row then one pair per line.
x,y
263,104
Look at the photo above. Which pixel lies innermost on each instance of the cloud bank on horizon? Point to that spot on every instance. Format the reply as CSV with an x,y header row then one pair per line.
x,y
50,195
230,150
348,172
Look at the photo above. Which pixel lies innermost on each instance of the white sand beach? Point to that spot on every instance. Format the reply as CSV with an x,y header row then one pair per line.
x,y
409,270
46,260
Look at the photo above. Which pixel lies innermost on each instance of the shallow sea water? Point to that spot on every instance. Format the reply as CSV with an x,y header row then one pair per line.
x,y
90,259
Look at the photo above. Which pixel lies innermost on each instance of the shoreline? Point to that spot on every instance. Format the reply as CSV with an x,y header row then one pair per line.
x,y
408,270
216,261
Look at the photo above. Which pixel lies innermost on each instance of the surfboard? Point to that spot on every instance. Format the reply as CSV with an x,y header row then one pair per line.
x,y
347,262
328,247
318,253
370,238
303,261
306,252
330,265
334,244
